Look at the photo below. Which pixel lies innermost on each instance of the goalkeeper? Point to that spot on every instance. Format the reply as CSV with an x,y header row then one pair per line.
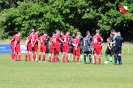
x,y
109,47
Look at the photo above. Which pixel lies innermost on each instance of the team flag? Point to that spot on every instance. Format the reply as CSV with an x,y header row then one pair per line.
x,y
123,8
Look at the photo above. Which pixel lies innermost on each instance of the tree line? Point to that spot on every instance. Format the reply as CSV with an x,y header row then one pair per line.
x,y
72,15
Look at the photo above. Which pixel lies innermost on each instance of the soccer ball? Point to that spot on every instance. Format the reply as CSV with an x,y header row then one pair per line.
x,y
106,62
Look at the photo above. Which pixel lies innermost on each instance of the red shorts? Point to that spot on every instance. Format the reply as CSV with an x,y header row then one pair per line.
x,y
76,52
35,48
29,47
51,50
57,49
42,48
97,50
12,48
17,49
66,49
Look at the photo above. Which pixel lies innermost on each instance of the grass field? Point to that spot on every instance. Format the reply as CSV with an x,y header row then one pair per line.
x,y
61,75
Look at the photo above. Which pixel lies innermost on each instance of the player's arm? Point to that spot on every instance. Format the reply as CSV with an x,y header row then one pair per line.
x,y
15,43
60,39
108,40
108,45
113,42
102,42
73,44
32,43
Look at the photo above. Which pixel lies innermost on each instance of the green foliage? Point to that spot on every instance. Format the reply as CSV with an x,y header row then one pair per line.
x,y
73,15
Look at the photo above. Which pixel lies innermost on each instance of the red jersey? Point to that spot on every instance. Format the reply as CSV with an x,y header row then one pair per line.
x,y
42,39
33,39
51,42
13,40
96,41
76,43
37,37
29,39
56,40
17,39
65,39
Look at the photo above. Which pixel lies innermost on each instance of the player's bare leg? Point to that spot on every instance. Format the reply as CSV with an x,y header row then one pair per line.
x,y
26,56
44,57
66,57
13,55
100,59
39,56
73,58
19,56
34,56
52,57
63,57
78,58
95,58
29,55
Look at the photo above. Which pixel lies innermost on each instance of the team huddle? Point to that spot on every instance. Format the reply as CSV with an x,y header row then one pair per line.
x,y
75,45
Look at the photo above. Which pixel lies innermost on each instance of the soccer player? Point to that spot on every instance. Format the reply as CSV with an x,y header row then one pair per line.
x,y
109,47
34,39
15,47
29,47
76,49
51,58
61,43
56,42
42,40
118,48
114,33
71,46
87,47
81,45
97,43
65,39
47,46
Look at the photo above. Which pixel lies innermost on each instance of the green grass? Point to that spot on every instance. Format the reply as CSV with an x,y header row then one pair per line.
x,y
61,75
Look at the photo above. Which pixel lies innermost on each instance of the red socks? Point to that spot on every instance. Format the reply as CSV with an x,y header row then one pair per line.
x,y
55,58
13,56
29,57
63,57
66,58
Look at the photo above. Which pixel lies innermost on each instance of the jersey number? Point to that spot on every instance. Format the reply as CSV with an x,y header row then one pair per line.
x,y
95,40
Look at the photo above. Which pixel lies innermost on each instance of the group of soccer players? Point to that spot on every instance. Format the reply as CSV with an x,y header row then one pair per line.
x,y
62,42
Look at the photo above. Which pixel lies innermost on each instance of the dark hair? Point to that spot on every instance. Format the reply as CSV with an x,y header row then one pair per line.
x,y
67,31
36,30
45,32
97,31
18,32
113,30
87,32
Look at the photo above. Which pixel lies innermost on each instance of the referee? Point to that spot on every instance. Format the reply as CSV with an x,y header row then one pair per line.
x,y
118,48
